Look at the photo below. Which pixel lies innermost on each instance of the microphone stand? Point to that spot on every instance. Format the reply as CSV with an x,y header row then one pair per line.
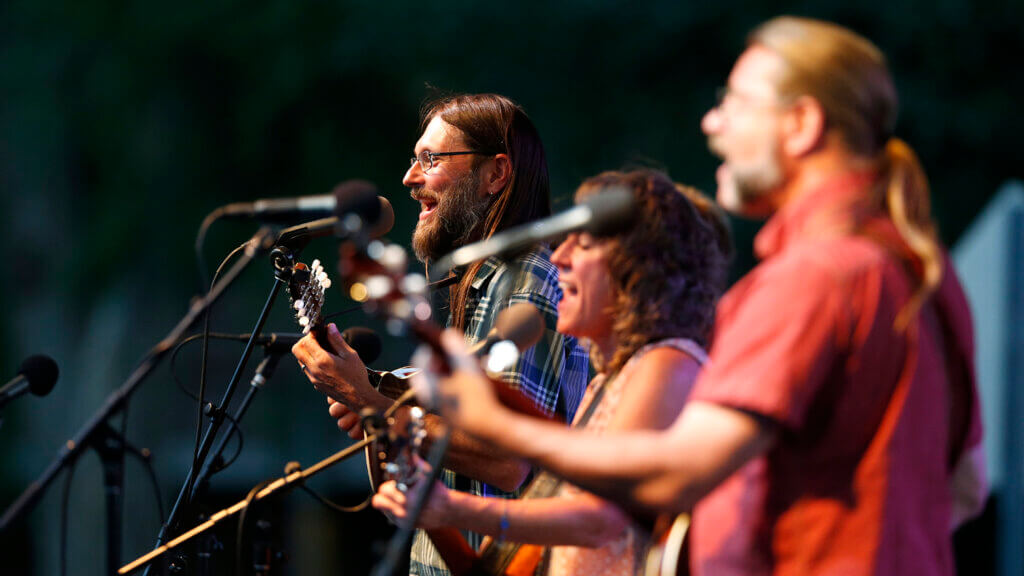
x,y
97,431
264,371
291,478
283,257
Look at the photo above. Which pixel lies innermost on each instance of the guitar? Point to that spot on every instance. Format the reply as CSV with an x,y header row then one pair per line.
x,y
668,554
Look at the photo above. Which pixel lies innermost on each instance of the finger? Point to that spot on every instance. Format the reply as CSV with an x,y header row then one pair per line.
x,y
385,506
337,410
390,491
301,352
304,347
341,347
348,421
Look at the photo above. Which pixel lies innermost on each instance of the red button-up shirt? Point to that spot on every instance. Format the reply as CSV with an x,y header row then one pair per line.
x,y
870,417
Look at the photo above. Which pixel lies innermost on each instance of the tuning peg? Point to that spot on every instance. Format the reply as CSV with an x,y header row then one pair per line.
x,y
394,259
303,321
414,284
378,286
326,283
299,305
315,264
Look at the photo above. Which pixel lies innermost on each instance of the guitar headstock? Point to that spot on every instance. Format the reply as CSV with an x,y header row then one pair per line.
x,y
379,280
307,289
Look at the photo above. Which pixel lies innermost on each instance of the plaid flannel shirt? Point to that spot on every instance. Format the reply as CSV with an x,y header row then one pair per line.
x,y
553,373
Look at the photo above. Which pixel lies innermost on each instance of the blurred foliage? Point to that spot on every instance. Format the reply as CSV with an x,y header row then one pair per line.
x,y
123,123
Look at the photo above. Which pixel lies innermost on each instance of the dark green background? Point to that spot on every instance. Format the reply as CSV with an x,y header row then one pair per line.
x,y
122,124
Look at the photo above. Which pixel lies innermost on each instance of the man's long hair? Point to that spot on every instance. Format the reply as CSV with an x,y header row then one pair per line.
x,y
668,271
849,78
492,124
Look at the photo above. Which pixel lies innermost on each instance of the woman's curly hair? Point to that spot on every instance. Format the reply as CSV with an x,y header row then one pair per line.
x,y
668,269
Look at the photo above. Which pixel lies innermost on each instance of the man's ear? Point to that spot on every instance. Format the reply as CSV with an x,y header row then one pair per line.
x,y
496,174
804,127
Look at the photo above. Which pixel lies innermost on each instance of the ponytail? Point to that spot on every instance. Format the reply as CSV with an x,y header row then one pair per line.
x,y
907,202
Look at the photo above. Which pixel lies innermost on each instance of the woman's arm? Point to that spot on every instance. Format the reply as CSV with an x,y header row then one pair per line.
x,y
653,391
577,520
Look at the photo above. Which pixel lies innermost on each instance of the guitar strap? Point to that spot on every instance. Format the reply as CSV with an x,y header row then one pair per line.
x,y
497,555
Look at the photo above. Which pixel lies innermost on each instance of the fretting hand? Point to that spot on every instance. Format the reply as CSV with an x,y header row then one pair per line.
x,y
341,376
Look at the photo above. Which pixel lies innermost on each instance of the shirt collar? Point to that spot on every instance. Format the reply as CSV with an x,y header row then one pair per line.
x,y
832,209
486,270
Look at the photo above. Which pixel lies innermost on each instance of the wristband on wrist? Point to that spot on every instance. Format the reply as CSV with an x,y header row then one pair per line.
x,y
503,523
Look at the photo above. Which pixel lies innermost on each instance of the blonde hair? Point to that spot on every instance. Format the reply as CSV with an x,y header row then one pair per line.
x,y
848,76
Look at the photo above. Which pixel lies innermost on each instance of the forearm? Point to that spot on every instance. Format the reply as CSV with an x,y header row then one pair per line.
x,y
580,520
665,471
613,466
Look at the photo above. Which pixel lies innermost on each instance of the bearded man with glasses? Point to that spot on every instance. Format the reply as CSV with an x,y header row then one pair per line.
x,y
479,168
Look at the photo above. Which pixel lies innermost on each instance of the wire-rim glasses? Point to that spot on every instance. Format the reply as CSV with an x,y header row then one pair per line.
x,y
427,158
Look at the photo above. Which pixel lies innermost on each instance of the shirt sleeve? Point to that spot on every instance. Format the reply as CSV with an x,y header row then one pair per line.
x,y
776,340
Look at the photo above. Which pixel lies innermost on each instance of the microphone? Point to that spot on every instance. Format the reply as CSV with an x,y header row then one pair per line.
x,y
348,196
364,341
279,210
358,212
37,375
601,214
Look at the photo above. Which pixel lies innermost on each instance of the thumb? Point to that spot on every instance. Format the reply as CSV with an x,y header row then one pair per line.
x,y
338,342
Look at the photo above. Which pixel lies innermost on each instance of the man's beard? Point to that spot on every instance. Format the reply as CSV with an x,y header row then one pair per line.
x,y
457,219
744,189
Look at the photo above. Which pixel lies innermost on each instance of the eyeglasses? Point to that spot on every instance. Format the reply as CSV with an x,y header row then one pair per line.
x,y
724,95
427,158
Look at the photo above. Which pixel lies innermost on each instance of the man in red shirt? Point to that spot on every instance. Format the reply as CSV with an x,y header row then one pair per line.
x,y
836,429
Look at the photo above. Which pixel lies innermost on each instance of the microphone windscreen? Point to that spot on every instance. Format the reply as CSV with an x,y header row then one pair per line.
x,y
41,372
357,197
521,323
612,211
364,341
386,221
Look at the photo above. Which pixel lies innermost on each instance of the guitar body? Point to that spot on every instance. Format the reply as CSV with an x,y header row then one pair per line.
x,y
515,560
669,554
391,384
526,560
